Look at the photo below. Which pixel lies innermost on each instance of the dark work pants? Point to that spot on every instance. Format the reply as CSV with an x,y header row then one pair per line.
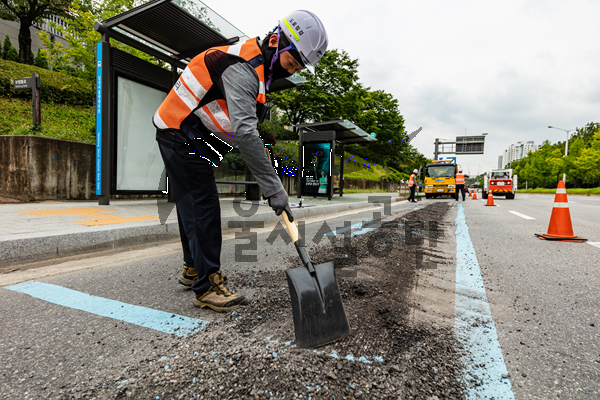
x,y
412,193
462,190
192,181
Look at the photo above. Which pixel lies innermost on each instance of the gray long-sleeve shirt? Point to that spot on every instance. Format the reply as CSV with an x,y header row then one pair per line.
x,y
240,87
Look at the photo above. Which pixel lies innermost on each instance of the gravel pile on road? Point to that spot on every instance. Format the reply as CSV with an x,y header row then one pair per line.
x,y
387,355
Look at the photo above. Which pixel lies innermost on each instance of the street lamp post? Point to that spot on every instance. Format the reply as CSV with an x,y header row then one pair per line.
x,y
566,149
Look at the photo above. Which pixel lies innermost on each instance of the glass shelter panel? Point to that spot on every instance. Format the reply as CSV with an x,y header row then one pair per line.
x,y
139,164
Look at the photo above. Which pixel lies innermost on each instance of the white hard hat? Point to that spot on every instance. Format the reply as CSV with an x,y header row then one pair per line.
x,y
460,170
307,34
416,171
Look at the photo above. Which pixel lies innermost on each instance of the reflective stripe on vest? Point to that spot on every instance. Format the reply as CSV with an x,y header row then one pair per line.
x,y
460,179
193,84
411,181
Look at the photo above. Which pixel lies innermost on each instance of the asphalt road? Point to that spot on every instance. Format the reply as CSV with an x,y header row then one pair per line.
x,y
543,296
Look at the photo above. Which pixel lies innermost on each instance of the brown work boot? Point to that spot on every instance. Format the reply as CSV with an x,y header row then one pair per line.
x,y
189,275
218,297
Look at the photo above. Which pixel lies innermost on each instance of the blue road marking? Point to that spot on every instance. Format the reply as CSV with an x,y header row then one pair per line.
x,y
178,325
474,325
372,227
348,228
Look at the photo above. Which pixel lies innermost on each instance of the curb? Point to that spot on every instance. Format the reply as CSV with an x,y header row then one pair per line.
x,y
61,245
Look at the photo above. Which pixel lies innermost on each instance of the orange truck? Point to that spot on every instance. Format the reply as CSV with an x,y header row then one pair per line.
x,y
500,182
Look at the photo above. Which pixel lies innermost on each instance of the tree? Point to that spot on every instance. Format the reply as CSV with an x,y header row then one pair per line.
x,y
587,133
40,60
27,13
588,163
379,114
329,93
79,58
8,50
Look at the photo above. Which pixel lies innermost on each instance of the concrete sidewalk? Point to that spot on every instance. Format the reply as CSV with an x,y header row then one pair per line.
x,y
44,230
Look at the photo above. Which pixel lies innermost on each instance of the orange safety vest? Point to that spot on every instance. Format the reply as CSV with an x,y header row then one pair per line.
x,y
460,179
411,181
194,83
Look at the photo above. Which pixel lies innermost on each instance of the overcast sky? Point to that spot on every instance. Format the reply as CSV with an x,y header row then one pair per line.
x,y
509,68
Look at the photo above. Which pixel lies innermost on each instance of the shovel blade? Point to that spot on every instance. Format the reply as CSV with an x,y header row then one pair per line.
x,y
318,318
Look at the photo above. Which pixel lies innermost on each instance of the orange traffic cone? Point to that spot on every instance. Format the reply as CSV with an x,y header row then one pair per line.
x,y
560,227
490,201
474,194
469,192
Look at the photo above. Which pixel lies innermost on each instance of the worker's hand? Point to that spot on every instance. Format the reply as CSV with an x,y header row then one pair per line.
x,y
269,138
279,203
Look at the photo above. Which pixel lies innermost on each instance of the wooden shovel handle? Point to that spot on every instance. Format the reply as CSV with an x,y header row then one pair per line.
x,y
292,229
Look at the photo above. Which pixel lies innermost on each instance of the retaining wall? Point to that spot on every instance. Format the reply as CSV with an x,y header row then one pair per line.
x,y
38,168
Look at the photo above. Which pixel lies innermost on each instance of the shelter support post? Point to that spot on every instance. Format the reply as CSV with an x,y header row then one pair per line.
x,y
104,133
342,170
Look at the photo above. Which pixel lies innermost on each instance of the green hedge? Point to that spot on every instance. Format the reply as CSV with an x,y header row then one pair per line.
x,y
55,87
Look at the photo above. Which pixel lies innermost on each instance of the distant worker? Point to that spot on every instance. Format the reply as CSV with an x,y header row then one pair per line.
x,y
460,184
412,184
215,105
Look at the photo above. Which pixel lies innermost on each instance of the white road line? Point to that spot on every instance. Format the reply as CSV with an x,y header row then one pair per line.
x,y
521,215
596,244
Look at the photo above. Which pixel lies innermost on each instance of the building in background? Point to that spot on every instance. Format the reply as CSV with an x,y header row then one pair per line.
x,y
12,29
500,163
517,151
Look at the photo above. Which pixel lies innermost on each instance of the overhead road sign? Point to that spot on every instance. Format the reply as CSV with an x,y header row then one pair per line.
x,y
470,144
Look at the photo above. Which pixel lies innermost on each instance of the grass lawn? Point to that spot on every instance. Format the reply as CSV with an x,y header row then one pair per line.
x,y
59,121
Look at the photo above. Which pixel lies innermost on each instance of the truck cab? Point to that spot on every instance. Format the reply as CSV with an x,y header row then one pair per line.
x,y
440,179
500,182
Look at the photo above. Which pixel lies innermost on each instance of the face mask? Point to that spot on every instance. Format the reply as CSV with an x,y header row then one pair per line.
x,y
277,71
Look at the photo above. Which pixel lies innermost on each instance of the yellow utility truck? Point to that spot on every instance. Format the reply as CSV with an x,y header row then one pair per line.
x,y
440,179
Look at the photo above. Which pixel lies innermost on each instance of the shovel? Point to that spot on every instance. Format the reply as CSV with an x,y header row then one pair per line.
x,y
319,314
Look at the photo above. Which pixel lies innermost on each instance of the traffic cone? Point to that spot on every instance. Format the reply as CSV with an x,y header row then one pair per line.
x,y
490,201
560,227
474,194
470,193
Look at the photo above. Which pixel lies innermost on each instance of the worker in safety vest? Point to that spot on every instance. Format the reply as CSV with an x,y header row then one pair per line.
x,y
413,182
215,105
460,184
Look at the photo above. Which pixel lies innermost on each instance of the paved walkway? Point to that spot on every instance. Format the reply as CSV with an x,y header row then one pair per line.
x,y
42,230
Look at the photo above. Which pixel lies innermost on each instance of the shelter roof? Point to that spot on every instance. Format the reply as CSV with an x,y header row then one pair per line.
x,y
346,132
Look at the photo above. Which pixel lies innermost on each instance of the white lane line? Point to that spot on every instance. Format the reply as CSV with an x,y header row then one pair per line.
x,y
596,244
474,325
521,215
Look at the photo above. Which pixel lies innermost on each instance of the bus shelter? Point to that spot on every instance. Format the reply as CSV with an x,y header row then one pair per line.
x,y
130,90
321,156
